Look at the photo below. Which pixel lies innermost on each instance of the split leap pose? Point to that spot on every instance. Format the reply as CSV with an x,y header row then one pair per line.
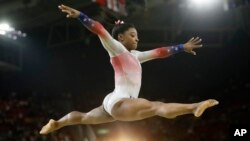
x,y
123,103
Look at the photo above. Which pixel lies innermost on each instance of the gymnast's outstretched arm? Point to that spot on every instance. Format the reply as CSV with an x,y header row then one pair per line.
x,y
164,52
110,44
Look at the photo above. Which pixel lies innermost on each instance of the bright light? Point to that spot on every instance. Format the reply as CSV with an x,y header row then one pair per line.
x,y
6,27
2,32
10,32
203,3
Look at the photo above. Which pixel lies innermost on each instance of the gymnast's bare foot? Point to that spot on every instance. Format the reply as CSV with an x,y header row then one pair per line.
x,y
49,127
202,106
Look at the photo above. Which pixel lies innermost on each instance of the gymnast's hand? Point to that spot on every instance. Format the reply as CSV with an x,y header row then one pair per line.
x,y
71,13
193,43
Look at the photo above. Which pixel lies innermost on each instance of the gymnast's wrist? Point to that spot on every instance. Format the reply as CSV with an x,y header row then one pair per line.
x,y
181,47
82,16
177,48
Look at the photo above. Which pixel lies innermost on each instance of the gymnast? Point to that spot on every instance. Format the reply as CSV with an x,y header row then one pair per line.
x,y
123,103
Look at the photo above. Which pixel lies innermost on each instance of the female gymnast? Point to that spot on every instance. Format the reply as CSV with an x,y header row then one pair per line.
x,y
123,103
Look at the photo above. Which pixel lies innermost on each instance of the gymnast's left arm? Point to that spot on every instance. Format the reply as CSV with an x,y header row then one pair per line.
x,y
164,52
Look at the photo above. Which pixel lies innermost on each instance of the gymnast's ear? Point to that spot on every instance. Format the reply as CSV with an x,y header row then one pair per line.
x,y
120,37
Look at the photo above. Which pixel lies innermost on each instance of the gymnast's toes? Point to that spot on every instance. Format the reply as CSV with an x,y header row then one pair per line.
x,y
49,127
204,105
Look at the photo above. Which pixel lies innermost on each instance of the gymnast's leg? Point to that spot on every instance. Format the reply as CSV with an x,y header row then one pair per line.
x,y
95,116
137,109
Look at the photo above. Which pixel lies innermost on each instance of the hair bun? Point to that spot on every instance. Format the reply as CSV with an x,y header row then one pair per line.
x,y
119,22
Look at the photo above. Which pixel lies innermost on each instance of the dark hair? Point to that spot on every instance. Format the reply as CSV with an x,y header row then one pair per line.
x,y
120,28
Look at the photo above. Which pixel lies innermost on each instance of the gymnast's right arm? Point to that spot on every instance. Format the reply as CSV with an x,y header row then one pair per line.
x,y
111,45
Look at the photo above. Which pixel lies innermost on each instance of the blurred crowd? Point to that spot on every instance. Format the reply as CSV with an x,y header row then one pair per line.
x,y
22,117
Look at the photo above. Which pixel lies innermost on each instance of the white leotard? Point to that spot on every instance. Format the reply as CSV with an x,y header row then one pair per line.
x,y
126,64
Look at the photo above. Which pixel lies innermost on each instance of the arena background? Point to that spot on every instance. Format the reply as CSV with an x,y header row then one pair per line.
x,y
51,65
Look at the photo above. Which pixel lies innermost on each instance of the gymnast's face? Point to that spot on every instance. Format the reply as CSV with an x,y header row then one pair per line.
x,y
129,38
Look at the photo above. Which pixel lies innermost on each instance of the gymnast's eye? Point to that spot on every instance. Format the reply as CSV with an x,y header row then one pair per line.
x,y
133,35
